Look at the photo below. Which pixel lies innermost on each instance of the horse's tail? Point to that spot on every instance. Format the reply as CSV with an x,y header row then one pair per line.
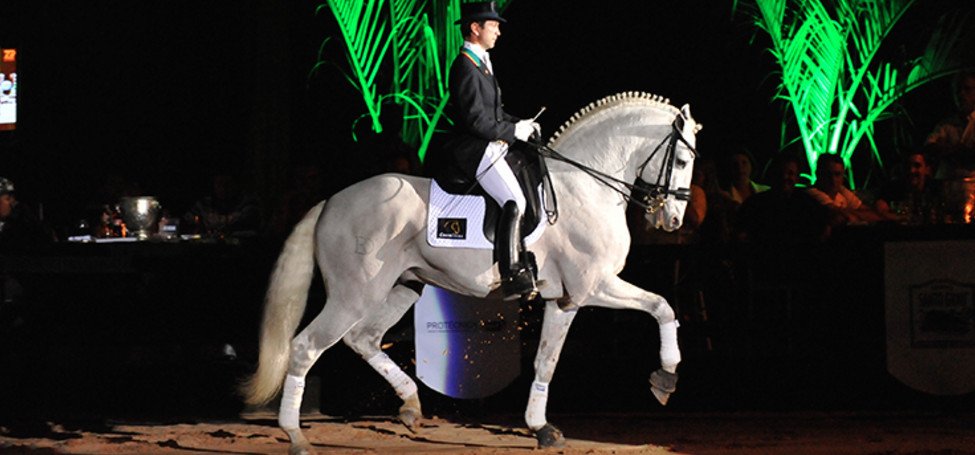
x,y
284,306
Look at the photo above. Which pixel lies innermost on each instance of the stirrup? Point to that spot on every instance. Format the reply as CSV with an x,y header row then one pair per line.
x,y
520,285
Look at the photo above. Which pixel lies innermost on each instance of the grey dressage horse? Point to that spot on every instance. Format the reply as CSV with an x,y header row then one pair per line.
x,y
369,242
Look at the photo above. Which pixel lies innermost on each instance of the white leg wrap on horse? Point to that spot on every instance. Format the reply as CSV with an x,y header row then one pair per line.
x,y
294,387
402,383
537,401
669,351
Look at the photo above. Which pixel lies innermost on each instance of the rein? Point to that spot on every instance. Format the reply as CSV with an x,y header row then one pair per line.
x,y
647,196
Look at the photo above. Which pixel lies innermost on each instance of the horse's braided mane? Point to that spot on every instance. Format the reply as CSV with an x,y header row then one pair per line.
x,y
611,101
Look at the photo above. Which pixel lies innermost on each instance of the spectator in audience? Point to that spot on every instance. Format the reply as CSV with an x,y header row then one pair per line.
x,y
227,211
21,231
831,191
740,186
20,228
102,215
953,139
782,215
716,227
697,207
645,233
912,195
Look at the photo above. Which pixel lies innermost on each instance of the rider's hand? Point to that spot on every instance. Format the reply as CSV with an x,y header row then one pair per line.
x,y
524,130
537,133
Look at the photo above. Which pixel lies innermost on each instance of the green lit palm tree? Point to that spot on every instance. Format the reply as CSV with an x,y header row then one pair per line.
x,y
420,38
836,89
365,31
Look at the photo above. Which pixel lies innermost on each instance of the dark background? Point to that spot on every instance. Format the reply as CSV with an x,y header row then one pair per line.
x,y
166,93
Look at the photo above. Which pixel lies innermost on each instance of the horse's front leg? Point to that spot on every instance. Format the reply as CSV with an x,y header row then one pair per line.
x,y
616,293
555,327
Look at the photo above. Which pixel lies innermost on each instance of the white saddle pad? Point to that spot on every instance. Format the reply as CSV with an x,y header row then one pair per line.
x,y
457,221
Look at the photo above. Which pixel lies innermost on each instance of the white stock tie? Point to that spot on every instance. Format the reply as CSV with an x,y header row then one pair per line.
x,y
487,62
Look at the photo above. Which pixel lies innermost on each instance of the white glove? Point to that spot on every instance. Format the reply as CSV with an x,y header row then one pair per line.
x,y
524,130
538,130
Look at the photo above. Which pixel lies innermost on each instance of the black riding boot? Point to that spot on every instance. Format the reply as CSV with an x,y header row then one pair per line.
x,y
517,279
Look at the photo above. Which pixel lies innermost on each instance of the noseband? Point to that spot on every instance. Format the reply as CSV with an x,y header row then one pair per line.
x,y
652,195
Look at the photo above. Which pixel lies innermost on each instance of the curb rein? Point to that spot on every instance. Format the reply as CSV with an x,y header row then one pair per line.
x,y
647,196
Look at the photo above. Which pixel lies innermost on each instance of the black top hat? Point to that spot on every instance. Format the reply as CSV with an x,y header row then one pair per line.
x,y
480,11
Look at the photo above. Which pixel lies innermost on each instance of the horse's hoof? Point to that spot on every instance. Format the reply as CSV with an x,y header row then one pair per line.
x,y
662,397
662,384
299,444
300,450
549,436
410,417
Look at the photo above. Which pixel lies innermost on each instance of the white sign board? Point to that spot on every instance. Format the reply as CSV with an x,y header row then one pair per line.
x,y
466,347
931,315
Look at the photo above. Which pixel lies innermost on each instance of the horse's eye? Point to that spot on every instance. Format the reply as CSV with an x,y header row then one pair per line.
x,y
681,164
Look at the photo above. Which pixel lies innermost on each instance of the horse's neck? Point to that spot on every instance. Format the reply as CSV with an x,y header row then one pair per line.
x,y
614,139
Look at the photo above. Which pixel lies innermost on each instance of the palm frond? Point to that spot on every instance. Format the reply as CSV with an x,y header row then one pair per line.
x,y
868,23
364,30
940,54
407,32
811,58
836,90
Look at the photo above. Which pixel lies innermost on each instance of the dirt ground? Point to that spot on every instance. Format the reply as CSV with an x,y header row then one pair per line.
x,y
690,433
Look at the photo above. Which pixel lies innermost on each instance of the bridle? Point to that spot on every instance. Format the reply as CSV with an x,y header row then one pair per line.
x,y
651,196
648,196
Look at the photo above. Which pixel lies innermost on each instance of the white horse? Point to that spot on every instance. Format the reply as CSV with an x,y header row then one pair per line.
x,y
369,242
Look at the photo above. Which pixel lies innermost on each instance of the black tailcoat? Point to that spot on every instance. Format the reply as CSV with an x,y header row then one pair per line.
x,y
476,110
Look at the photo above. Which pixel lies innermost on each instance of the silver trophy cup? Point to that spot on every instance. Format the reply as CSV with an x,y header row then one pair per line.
x,y
141,215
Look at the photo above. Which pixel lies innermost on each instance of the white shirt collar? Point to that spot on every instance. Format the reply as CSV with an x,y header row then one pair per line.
x,y
480,53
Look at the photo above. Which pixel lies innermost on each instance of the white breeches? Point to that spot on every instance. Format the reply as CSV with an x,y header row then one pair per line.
x,y
496,177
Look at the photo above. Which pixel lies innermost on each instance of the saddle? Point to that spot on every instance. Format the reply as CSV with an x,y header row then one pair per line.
x,y
530,170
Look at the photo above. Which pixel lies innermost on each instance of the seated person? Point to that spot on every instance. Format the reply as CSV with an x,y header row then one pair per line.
x,y
643,232
915,192
953,140
831,191
20,229
20,232
782,215
740,186
226,211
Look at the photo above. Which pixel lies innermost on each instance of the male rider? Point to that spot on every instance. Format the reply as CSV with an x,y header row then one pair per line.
x,y
481,135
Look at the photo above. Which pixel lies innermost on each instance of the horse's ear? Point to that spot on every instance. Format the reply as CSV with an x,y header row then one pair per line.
x,y
685,110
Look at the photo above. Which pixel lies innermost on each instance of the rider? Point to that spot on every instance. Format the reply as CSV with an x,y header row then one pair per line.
x,y
481,135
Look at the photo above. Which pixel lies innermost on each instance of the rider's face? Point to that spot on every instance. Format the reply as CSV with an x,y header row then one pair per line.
x,y
487,35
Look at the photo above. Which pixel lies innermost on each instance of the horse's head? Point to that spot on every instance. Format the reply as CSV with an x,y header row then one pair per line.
x,y
666,174
653,140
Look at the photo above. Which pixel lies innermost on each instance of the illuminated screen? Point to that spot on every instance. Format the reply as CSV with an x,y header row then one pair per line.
x,y
8,89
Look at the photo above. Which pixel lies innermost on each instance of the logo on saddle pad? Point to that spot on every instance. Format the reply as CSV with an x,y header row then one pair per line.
x,y
458,221
452,228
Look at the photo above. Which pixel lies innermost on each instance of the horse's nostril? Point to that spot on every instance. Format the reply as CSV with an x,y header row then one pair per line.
x,y
675,222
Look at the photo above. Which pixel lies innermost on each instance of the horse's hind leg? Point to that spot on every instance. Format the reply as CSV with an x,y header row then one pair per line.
x,y
335,320
555,327
365,339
